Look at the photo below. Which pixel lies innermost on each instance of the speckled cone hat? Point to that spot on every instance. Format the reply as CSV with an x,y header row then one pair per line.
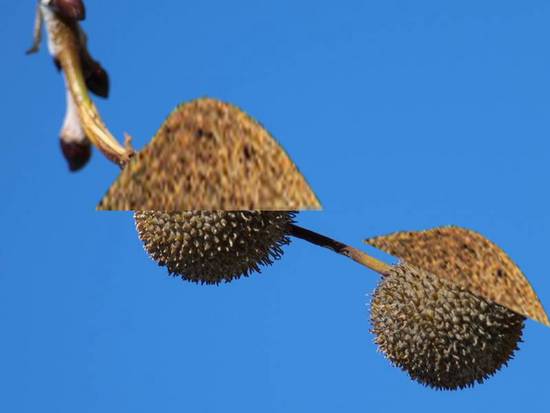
x,y
469,260
210,155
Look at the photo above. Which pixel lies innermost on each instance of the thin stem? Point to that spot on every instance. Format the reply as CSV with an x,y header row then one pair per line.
x,y
356,255
66,41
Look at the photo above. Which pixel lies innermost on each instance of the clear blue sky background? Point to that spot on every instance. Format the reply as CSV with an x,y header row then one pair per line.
x,y
402,115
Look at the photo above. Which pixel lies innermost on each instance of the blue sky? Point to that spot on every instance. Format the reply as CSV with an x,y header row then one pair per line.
x,y
402,115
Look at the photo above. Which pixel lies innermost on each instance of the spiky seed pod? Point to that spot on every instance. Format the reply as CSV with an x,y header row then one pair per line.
x,y
440,334
213,246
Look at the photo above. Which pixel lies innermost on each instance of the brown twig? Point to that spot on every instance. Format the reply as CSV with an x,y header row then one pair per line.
x,y
356,255
64,36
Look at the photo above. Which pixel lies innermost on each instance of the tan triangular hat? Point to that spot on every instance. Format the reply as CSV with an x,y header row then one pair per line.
x,y
210,155
471,261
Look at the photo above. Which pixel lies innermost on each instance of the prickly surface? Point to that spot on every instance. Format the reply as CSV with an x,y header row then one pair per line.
x,y
213,246
440,334
470,260
210,155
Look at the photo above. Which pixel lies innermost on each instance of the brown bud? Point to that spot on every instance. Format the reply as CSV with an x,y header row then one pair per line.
x,y
76,153
97,78
69,9
75,145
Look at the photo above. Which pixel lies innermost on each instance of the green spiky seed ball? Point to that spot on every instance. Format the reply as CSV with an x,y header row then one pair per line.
x,y
213,246
441,335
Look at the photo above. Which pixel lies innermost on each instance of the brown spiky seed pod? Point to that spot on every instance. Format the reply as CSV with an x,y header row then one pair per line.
x,y
213,246
440,334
